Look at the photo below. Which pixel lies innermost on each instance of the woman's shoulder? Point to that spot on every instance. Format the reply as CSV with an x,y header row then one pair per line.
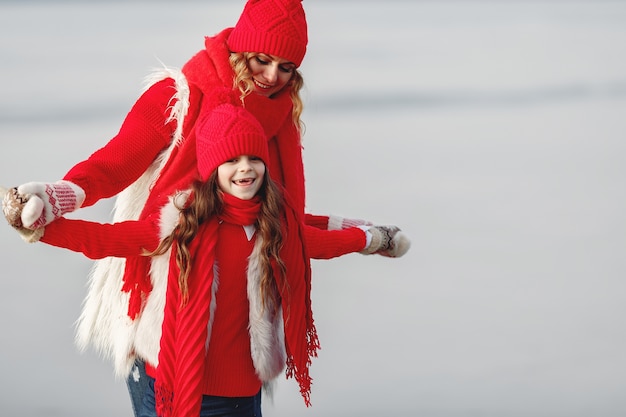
x,y
164,81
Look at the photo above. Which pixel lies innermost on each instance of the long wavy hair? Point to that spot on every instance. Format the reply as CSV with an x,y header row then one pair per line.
x,y
243,82
205,203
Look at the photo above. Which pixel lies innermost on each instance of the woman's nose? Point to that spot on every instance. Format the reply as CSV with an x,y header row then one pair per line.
x,y
271,74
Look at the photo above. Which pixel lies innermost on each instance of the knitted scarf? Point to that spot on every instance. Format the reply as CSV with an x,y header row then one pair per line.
x,y
210,78
185,329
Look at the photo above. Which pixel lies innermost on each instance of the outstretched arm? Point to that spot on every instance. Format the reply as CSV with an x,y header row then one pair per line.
x,y
99,240
387,241
331,236
327,244
143,135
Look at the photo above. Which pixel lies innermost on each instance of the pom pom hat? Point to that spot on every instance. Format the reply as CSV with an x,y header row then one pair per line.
x,y
225,133
274,27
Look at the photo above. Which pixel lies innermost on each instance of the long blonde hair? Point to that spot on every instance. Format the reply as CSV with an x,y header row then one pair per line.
x,y
243,82
207,202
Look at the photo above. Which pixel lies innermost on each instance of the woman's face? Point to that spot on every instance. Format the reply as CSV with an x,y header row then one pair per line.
x,y
270,74
242,176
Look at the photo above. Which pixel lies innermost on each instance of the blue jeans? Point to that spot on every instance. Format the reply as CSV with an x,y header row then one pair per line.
x,y
137,383
212,406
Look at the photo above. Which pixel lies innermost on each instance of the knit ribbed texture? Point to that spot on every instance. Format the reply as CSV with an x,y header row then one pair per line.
x,y
225,133
274,27
97,240
142,136
327,244
181,368
231,371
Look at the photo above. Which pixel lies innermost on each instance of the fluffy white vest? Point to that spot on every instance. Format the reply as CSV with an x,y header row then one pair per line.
x,y
104,323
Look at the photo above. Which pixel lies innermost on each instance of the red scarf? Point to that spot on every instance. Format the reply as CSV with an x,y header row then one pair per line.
x,y
184,332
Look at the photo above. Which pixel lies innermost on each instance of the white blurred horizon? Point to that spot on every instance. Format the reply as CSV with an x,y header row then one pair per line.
x,y
492,133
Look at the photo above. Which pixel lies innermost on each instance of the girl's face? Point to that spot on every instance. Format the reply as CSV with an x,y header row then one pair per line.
x,y
242,176
270,74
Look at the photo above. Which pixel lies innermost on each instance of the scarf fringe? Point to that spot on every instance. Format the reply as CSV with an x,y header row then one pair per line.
x,y
138,292
302,376
164,399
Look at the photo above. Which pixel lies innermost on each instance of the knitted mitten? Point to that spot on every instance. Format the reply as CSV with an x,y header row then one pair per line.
x,y
12,205
47,202
387,241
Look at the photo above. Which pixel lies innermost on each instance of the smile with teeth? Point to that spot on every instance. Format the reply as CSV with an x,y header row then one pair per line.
x,y
244,181
261,85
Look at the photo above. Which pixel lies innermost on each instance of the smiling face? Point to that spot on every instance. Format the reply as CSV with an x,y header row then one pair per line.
x,y
270,74
241,177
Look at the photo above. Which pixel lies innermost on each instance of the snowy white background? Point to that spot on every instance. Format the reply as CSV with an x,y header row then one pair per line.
x,y
492,132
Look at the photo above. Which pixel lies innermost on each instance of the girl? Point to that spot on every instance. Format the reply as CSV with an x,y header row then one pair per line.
x,y
237,307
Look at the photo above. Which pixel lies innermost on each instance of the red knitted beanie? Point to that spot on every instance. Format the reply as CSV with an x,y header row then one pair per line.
x,y
273,27
225,133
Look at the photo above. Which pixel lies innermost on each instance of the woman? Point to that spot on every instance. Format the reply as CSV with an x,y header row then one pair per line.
x,y
153,155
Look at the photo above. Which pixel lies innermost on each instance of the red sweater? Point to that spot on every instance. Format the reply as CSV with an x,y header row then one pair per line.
x,y
230,371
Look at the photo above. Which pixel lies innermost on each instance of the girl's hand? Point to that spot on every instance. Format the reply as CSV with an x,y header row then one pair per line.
x,y
387,241
12,205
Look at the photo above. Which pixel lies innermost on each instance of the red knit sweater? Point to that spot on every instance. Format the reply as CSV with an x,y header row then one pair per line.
x,y
230,371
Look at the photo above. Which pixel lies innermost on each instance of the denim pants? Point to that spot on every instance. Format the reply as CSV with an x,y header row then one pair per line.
x,y
137,383
144,403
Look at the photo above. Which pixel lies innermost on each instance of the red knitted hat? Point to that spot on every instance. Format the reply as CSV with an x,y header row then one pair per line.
x,y
225,133
274,27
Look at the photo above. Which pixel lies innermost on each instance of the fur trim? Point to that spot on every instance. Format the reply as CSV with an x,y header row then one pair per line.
x,y
213,306
103,322
267,335
148,334
180,109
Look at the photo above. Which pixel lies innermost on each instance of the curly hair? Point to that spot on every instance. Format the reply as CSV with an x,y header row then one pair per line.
x,y
207,202
243,82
